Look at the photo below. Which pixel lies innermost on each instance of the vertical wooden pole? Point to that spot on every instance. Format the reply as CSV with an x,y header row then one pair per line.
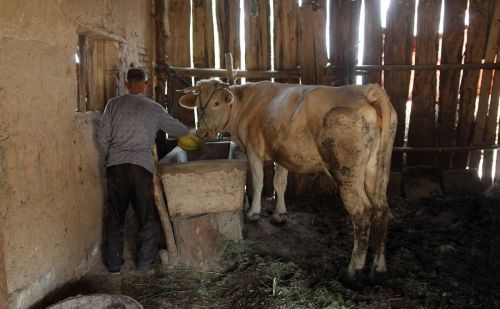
x,y
257,35
372,53
344,21
228,23
474,52
421,131
203,34
178,54
161,47
161,206
449,80
312,46
4,295
398,49
229,67
285,37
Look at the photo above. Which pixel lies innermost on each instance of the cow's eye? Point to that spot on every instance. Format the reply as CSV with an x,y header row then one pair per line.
x,y
216,103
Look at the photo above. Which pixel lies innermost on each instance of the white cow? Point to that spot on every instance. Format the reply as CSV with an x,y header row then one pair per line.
x,y
347,132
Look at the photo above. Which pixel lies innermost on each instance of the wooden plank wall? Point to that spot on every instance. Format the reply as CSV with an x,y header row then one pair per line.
x,y
449,81
449,107
421,131
474,52
398,50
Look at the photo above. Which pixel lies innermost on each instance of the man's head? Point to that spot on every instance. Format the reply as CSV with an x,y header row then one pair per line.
x,y
137,81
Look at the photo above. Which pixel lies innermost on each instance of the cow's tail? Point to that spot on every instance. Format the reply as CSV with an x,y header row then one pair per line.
x,y
387,121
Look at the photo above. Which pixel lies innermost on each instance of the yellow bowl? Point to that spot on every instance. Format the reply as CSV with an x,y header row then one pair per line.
x,y
188,142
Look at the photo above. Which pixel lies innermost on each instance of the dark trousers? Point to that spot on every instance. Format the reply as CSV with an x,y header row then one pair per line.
x,y
130,182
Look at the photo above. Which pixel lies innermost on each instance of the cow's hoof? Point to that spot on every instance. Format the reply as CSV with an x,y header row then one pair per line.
x,y
353,281
252,217
279,219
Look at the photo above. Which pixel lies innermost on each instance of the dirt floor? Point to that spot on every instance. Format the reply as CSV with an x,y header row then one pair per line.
x,y
442,253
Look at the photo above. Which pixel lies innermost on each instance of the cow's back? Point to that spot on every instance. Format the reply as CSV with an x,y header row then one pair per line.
x,y
286,122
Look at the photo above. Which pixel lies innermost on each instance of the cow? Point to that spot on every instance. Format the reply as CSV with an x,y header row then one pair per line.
x,y
347,132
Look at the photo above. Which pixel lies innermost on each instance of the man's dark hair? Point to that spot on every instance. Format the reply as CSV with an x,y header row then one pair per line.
x,y
137,75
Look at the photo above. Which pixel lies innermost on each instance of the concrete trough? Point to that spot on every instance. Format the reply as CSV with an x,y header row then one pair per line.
x,y
210,179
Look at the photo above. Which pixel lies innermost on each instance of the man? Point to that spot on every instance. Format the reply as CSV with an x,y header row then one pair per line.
x,y
126,136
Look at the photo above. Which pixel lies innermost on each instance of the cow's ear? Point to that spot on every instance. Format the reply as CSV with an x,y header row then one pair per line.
x,y
188,101
228,96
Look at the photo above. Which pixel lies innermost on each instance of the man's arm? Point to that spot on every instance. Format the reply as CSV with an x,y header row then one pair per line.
x,y
171,125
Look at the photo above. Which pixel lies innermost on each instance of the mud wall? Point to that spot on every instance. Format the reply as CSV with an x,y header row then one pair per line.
x,y
50,177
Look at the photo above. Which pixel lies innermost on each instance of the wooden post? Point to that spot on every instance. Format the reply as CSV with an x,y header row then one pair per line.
x,y
312,46
4,295
161,47
257,35
285,37
163,212
373,40
229,67
344,17
178,54
228,23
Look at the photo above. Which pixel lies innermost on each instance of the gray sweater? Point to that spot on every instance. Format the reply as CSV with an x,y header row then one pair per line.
x,y
128,130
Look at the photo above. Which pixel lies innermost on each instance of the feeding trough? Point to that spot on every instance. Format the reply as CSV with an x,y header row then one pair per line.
x,y
208,180
205,192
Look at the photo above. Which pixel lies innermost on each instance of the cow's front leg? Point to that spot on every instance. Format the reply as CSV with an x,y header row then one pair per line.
x,y
280,181
257,170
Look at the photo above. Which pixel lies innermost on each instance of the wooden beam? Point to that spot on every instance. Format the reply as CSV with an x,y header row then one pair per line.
x,y
208,72
367,68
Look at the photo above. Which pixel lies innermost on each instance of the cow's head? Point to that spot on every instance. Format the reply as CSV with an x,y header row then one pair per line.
x,y
213,101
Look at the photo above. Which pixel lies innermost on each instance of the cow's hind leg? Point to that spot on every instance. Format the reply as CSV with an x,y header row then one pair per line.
x,y
257,170
357,204
280,180
380,220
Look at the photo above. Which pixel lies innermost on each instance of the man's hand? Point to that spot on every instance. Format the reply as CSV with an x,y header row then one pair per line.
x,y
188,142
